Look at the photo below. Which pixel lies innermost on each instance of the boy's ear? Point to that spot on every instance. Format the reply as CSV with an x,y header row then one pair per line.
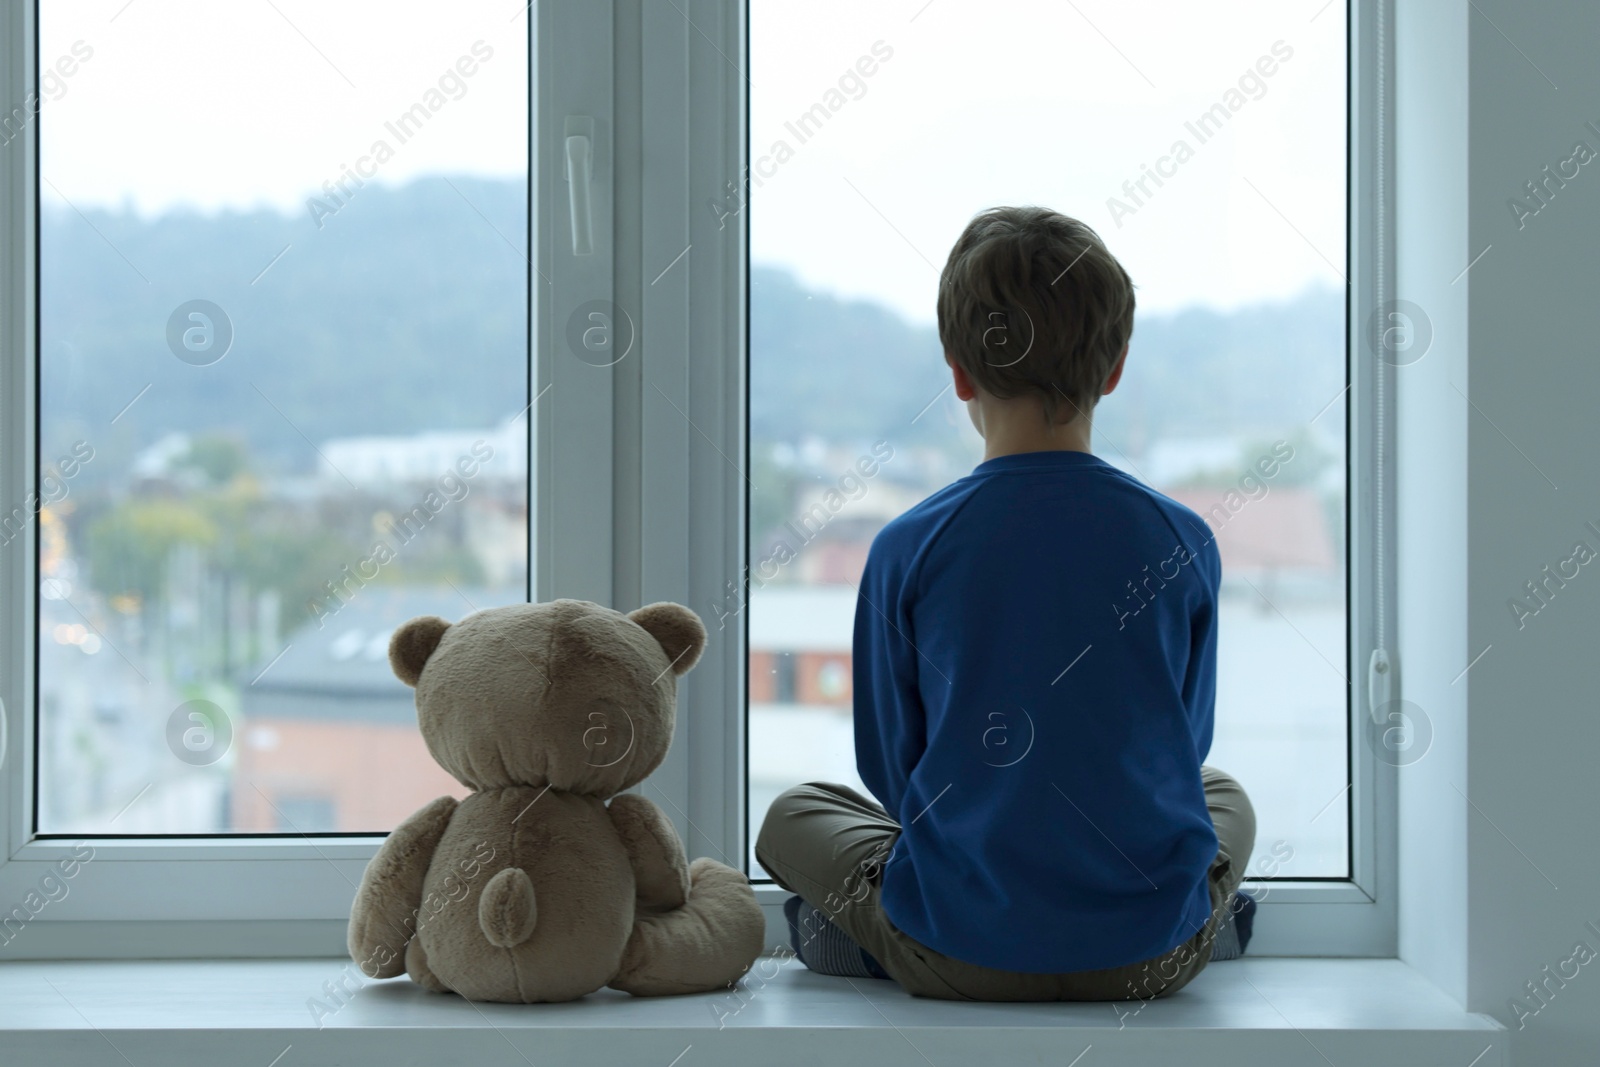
x,y
679,631
965,389
1116,372
412,644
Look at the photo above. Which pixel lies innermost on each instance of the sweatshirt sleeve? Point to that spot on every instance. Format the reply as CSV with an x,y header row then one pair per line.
x,y
890,725
1200,681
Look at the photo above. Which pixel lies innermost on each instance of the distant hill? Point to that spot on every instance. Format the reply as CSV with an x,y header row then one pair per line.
x,y
1257,370
854,369
405,313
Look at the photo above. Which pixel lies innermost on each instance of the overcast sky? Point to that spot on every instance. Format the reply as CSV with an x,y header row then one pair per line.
x,y
194,103
250,102
1029,101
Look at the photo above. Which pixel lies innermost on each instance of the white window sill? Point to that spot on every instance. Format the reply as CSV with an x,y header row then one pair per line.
x,y
1371,1013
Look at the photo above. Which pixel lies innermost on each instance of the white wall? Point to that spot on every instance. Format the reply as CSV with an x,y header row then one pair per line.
x,y
1497,888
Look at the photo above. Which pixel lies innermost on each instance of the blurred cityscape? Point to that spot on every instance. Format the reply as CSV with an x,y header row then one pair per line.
x,y
1208,395
1280,719
218,582
214,642
273,487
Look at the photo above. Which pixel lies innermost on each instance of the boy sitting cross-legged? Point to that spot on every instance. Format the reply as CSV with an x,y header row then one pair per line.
x,y
1035,672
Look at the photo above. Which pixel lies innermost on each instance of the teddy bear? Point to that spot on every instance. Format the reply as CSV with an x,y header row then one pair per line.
x,y
533,888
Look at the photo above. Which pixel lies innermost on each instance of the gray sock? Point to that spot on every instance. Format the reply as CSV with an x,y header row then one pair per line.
x,y
1233,932
823,947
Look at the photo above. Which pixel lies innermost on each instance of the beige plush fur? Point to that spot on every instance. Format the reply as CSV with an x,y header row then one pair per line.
x,y
533,888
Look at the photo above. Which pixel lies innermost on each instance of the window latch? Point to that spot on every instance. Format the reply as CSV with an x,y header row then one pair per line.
x,y
1380,685
580,173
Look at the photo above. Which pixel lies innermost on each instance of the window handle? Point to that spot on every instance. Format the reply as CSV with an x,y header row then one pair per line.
x,y
1380,685
580,173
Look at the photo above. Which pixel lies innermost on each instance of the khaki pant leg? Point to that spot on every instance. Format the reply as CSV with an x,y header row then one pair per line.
x,y
828,843
1235,820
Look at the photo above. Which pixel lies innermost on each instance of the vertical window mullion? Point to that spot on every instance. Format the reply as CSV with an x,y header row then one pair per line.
x,y
581,335
691,396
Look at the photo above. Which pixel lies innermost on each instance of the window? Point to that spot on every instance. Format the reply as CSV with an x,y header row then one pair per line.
x,y
272,288
1211,158
677,373
263,453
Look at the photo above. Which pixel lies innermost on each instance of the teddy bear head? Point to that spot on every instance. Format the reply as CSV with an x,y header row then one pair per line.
x,y
566,694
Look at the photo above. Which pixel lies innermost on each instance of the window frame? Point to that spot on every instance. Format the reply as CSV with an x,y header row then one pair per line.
x,y
638,483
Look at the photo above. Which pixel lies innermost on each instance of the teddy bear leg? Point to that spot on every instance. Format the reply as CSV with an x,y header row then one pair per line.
x,y
704,945
417,967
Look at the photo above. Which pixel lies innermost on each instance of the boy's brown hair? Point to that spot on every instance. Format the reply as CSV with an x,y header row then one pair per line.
x,y
1032,302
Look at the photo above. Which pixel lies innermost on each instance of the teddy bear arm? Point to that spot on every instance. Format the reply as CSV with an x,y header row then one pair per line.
x,y
384,915
660,869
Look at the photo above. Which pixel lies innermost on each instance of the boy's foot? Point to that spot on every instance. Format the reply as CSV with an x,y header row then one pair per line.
x,y
1233,933
825,948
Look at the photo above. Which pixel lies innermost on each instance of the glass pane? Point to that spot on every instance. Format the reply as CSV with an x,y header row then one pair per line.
x,y
283,401
1206,144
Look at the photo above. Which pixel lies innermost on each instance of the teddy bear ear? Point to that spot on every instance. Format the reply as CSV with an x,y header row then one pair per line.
x,y
678,630
412,644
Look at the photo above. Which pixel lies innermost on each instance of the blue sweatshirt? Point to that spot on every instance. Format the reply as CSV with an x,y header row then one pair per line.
x,y
1035,673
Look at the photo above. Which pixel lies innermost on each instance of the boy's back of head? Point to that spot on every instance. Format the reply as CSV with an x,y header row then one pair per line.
x,y
1031,302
